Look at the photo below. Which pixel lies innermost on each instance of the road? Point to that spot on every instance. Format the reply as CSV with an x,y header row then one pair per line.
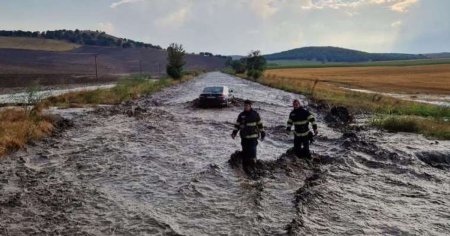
x,y
163,170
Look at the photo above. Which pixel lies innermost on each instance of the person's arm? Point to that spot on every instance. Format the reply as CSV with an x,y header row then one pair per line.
x,y
289,123
237,127
312,120
260,127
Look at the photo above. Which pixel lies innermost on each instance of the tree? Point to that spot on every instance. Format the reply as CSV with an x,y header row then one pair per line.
x,y
255,64
175,58
238,66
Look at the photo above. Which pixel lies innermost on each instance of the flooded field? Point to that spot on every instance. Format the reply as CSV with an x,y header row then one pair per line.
x,y
440,100
23,97
159,166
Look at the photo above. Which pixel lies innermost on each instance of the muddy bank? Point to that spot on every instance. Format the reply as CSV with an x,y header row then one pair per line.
x,y
159,166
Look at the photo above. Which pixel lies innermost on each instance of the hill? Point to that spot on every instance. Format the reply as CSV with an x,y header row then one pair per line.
x,y
335,54
36,44
442,55
20,67
81,37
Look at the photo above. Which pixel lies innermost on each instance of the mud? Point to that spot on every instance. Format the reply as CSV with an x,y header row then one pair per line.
x,y
157,166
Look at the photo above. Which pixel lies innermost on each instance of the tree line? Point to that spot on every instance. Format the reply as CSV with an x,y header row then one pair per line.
x,y
253,65
82,37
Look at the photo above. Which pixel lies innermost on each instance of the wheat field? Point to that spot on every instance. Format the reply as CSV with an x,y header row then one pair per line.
x,y
427,79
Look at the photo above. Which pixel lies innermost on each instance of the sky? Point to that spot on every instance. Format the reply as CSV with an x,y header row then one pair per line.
x,y
235,27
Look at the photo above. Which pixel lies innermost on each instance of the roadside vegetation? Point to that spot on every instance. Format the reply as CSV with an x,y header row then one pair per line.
x,y
126,89
253,65
19,125
392,114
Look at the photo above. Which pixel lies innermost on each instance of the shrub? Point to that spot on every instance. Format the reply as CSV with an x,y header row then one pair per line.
x,y
175,58
255,64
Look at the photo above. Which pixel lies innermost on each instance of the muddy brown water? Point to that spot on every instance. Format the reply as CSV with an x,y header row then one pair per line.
x,y
163,170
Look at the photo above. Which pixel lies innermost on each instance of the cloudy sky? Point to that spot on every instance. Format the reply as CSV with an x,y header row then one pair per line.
x,y
238,26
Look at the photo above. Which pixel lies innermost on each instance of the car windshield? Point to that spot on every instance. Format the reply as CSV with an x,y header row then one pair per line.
x,y
214,90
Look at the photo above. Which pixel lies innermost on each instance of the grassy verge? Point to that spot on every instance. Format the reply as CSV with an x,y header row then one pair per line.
x,y
126,89
18,126
414,124
392,114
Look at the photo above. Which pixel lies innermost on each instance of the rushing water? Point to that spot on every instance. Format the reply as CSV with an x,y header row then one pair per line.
x,y
440,100
25,97
163,170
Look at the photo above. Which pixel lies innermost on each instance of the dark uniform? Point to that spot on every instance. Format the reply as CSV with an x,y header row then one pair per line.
x,y
301,118
250,126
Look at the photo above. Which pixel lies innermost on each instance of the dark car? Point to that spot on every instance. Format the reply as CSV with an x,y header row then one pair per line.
x,y
215,96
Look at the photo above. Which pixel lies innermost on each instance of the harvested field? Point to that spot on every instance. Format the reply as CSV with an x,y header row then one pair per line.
x,y
430,79
36,44
20,68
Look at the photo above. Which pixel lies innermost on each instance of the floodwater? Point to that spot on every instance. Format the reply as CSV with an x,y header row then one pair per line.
x,y
440,100
159,166
24,97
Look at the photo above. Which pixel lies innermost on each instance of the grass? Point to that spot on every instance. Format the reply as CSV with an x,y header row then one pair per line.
x,y
18,126
126,89
325,85
414,124
36,44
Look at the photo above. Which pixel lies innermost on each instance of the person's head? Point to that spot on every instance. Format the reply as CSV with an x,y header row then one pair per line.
x,y
296,104
247,105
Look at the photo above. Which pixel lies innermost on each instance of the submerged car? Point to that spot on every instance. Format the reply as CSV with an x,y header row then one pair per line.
x,y
215,96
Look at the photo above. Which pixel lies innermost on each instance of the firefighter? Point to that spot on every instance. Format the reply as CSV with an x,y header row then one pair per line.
x,y
250,128
300,118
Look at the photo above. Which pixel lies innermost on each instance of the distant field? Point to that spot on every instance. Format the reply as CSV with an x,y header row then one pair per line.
x,y
36,44
278,64
429,79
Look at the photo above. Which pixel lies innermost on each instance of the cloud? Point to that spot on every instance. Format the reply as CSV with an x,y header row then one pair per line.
x,y
333,4
122,2
107,27
264,8
395,5
402,6
396,24
175,19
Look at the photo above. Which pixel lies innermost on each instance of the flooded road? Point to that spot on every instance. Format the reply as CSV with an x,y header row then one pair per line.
x,y
162,170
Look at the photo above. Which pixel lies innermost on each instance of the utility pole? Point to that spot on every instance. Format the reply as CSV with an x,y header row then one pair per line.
x,y
96,66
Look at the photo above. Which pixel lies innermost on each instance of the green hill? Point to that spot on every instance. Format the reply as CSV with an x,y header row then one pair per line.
x,y
335,54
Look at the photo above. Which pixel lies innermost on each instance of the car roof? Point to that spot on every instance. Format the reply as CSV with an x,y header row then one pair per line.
x,y
225,88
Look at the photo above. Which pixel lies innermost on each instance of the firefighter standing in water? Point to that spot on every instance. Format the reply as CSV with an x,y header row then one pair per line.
x,y
300,118
251,128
